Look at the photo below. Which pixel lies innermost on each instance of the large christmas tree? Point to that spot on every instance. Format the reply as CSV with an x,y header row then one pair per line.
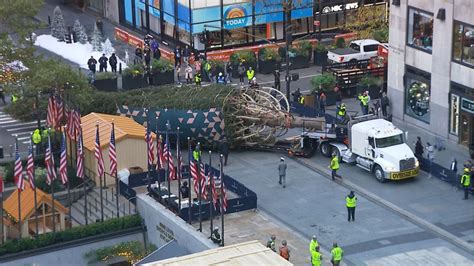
x,y
96,40
58,28
80,32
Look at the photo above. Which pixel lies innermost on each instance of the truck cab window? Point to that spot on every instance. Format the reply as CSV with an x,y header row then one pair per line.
x,y
355,47
371,142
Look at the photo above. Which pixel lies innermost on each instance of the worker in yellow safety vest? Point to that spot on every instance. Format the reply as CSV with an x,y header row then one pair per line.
x,y
334,166
364,102
36,137
197,153
250,74
466,182
341,112
316,257
336,254
351,202
301,100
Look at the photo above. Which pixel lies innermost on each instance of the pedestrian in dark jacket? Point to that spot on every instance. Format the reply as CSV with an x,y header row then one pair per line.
x,y
186,54
224,148
2,95
241,72
147,56
103,63
92,64
282,172
296,95
228,72
419,148
138,55
276,75
384,103
177,56
113,62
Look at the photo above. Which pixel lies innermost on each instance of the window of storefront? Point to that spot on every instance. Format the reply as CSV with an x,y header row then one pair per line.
x,y
420,29
417,94
463,43
454,114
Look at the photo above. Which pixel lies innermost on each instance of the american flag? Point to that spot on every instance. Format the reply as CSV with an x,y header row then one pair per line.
x,y
63,160
112,152
18,173
160,163
169,159
73,123
80,157
203,178
215,197
98,154
51,117
224,196
193,171
180,161
30,168
59,110
2,185
49,161
150,148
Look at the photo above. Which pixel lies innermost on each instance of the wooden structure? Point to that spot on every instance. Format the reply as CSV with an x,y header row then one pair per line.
x,y
129,142
28,220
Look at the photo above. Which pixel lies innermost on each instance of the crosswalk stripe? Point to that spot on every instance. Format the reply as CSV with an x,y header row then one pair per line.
x,y
21,123
23,138
6,118
8,122
26,142
23,133
20,128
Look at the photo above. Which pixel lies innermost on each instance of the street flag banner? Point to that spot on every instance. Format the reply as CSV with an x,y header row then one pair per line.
x,y
80,157
30,168
63,160
202,179
18,173
169,159
112,152
150,149
224,196
193,171
49,162
59,110
98,154
160,163
215,197
51,116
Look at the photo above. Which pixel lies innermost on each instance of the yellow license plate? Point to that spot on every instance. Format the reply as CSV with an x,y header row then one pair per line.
x,y
404,174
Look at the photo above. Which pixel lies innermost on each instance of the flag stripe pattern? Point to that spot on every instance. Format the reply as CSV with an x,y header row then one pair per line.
x,y
150,148
214,192
59,110
18,173
63,160
203,178
193,171
2,185
169,159
30,168
49,161
51,116
98,154
112,152
224,197
160,160
80,157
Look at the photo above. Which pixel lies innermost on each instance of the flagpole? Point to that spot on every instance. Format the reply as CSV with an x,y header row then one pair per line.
x,y
68,183
178,172
84,177
19,193
161,166
200,189
53,166
210,191
189,184
116,174
100,181
34,189
1,207
148,140
168,154
158,154
222,198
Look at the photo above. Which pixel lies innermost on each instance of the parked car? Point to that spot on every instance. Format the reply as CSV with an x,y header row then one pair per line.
x,y
357,50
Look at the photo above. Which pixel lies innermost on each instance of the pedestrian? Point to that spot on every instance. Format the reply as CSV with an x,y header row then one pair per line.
x,y
384,104
336,254
147,39
276,75
224,148
282,172
100,25
147,55
188,74
198,79
296,95
138,55
103,63
241,71
466,182
92,64
250,74
186,54
337,90
351,202
254,84
313,244
197,66
228,72
364,102
113,62
220,79
157,54
316,257
177,55
215,236
334,166
341,113
284,250
271,243
2,95
322,103
36,138
184,190
419,150
197,153
209,71
178,73
154,45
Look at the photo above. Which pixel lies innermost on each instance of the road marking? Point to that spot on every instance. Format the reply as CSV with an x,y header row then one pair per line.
x,y
20,123
21,128
23,138
26,142
23,133
8,122
5,116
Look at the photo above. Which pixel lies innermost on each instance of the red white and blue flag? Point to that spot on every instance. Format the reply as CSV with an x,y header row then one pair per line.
x,y
169,159
150,148
98,154
59,110
193,171
160,161
51,116
18,172
2,185
30,168
215,197
80,157
49,162
202,179
224,196
63,160
112,152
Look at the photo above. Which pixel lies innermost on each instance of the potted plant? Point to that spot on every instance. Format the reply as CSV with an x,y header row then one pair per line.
x,y
105,81
133,77
320,54
325,83
247,57
300,55
162,72
371,84
268,60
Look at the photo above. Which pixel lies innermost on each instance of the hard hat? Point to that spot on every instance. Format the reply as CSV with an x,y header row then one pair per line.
x,y
466,170
314,237
220,73
216,228
343,104
282,159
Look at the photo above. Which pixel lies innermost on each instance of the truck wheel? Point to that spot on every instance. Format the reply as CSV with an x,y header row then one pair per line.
x,y
353,63
325,149
379,174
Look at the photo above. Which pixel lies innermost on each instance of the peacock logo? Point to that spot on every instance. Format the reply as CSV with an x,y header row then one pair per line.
x,y
235,17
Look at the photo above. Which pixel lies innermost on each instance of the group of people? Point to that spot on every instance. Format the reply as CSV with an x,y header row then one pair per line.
x,y
378,105
316,257
151,48
103,60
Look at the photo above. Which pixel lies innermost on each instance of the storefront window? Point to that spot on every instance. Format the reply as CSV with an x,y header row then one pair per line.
x,y
417,94
454,115
463,43
420,29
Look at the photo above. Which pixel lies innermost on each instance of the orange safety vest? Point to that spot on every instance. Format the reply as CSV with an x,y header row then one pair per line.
x,y
284,253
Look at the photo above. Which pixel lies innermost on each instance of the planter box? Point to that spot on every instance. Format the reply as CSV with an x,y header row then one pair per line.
x,y
162,78
299,62
331,98
235,73
320,59
106,84
130,82
374,91
268,67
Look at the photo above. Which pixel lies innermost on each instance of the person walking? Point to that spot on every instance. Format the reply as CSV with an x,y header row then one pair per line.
x,y
2,95
276,75
113,63
209,71
228,72
351,202
364,102
184,190
271,243
178,74
186,54
336,254
198,79
177,56
284,250
250,74
466,182
334,166
138,55
341,112
419,150
430,155
92,63
188,74
241,71
316,257
313,244
282,172
322,103
103,63
384,104
224,148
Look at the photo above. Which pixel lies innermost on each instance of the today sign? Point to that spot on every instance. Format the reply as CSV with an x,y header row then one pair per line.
x,y
235,17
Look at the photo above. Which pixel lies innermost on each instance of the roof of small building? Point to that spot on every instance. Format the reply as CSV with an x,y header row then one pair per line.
x,y
10,205
124,127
